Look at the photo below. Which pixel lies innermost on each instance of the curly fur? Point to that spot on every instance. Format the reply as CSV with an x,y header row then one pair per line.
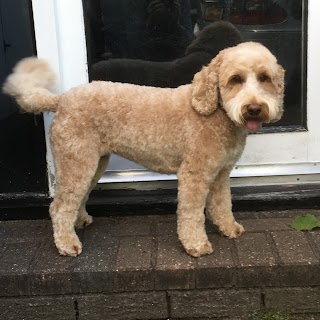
x,y
28,84
208,43
197,131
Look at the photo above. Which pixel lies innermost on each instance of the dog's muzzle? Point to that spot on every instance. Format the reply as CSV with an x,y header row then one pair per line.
x,y
254,115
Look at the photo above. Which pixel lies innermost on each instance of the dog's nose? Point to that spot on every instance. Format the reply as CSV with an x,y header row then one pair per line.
x,y
254,109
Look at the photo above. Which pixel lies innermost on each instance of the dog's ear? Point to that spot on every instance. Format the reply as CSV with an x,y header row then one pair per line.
x,y
279,79
205,91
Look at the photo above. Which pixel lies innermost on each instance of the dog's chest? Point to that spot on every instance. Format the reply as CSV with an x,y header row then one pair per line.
x,y
234,154
235,149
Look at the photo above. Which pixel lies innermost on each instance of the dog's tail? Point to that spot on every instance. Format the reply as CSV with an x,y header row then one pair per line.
x,y
29,84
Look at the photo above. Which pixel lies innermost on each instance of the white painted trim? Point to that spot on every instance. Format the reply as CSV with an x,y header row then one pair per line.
x,y
60,38
45,28
313,69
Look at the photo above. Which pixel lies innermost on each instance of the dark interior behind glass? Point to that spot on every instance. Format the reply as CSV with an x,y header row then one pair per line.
x,y
128,36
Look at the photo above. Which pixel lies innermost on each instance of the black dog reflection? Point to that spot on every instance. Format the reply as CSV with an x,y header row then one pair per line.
x,y
201,51
163,15
168,29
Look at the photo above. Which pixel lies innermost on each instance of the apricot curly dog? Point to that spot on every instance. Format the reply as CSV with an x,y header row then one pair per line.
x,y
197,131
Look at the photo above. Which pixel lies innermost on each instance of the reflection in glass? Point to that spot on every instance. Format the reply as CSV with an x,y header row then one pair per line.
x,y
164,42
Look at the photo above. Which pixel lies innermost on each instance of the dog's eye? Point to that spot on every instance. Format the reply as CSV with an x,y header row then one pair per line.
x,y
264,78
236,79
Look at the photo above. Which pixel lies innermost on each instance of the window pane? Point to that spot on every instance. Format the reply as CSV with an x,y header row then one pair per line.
x,y
165,42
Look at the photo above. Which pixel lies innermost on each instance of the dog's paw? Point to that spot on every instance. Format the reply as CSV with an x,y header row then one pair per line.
x,y
69,247
83,221
232,230
200,250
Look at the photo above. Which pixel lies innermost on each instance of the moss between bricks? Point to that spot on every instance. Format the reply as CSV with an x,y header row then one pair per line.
x,y
269,315
280,315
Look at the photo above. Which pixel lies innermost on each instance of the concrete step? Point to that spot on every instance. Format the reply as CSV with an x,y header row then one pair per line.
x,y
135,268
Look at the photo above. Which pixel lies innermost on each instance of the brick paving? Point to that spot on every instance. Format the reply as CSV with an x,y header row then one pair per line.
x,y
135,268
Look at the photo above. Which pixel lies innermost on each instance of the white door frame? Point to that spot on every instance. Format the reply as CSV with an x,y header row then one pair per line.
x,y
270,158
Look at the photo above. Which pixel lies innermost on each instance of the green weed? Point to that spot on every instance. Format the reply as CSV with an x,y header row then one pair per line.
x,y
269,315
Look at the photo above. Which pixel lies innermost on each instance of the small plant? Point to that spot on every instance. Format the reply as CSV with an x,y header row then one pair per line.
x,y
306,223
269,315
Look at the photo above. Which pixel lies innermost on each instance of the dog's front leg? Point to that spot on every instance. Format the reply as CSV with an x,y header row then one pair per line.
x,y
192,192
219,206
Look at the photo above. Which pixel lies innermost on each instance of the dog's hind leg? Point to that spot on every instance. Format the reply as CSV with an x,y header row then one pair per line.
x,y
84,219
192,192
75,166
219,206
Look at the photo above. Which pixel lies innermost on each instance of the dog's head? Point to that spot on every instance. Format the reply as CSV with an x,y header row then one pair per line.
x,y
246,81
214,38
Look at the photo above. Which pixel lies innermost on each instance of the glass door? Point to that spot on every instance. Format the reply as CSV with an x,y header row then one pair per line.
x,y
77,36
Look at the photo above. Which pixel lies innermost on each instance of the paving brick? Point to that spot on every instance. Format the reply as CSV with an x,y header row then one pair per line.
x,y
166,228
14,266
315,316
101,227
299,264
123,306
5,232
293,300
210,318
315,236
51,273
273,316
299,275
134,252
38,308
214,302
174,268
89,272
122,264
274,214
92,271
25,230
217,269
131,226
261,225
30,230
293,247
99,252
133,266
254,250
257,262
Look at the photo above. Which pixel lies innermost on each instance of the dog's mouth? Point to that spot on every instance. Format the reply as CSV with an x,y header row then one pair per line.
x,y
253,124
254,115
